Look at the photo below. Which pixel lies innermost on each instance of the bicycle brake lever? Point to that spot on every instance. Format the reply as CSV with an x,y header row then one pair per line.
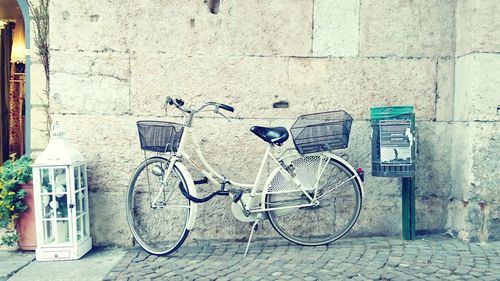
x,y
228,120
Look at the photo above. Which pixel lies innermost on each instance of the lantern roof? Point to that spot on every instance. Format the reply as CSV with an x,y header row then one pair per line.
x,y
58,152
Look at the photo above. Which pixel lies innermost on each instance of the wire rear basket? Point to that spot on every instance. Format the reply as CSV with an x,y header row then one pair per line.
x,y
159,136
321,131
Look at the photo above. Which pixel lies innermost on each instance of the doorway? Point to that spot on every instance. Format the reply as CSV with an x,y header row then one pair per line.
x,y
13,80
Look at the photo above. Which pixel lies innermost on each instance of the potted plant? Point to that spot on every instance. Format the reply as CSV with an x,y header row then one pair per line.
x,y
16,203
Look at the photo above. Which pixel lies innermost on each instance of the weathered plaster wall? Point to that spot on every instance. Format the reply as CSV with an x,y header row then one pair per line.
x,y
474,209
114,62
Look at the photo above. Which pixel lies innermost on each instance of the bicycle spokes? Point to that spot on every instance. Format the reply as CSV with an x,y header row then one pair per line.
x,y
335,187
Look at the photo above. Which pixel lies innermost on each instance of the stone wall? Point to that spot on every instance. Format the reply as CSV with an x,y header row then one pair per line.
x,y
114,62
474,208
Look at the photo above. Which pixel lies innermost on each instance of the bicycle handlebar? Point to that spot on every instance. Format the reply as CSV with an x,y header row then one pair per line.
x,y
179,103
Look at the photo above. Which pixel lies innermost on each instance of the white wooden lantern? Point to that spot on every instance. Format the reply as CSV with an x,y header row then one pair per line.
x,y
61,201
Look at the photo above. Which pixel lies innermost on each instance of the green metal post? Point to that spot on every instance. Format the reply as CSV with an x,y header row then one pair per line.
x,y
408,204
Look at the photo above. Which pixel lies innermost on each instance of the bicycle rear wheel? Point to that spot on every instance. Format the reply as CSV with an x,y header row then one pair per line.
x,y
339,203
157,218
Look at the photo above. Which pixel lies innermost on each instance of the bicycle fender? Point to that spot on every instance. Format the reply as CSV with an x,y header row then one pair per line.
x,y
192,190
350,167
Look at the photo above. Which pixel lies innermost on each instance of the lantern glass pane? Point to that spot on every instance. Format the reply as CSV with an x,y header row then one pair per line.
x,y
85,229
47,211
78,203
60,199
60,181
79,232
62,231
45,181
83,175
48,233
84,201
76,171
62,206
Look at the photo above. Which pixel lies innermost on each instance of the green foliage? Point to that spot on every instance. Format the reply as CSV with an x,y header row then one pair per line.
x,y
12,173
9,238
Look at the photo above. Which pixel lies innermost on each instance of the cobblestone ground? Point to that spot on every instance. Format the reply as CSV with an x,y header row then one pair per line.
x,y
357,258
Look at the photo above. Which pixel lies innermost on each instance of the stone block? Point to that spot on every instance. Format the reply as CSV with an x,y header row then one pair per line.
x,y
38,85
485,139
90,82
108,225
433,179
253,84
430,213
477,25
39,129
476,88
470,221
461,159
89,25
445,89
336,28
259,28
494,229
475,196
407,28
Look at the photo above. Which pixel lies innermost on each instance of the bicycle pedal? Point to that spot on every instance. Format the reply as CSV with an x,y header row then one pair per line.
x,y
202,181
237,196
222,192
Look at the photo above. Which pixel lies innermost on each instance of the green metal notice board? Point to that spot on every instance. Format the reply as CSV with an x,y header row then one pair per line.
x,y
394,154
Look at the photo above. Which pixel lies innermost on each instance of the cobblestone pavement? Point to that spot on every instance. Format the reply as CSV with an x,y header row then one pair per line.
x,y
432,258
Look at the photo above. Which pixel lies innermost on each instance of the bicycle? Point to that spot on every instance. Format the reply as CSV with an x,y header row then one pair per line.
x,y
312,197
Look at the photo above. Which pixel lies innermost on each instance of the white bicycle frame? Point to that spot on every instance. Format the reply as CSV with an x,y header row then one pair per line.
x,y
258,186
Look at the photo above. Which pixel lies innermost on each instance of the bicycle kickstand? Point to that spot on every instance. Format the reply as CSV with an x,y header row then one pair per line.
x,y
254,226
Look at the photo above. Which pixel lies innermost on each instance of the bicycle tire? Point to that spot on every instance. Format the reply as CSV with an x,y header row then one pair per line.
x,y
158,228
298,224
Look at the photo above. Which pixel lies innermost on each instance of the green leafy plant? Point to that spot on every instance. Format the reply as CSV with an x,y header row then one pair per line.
x,y
12,173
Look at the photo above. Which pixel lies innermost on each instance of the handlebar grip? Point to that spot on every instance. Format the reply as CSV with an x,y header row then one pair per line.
x,y
169,100
226,107
179,102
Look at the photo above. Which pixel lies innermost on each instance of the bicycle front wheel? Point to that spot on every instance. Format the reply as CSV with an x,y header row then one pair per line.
x,y
157,212
338,202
